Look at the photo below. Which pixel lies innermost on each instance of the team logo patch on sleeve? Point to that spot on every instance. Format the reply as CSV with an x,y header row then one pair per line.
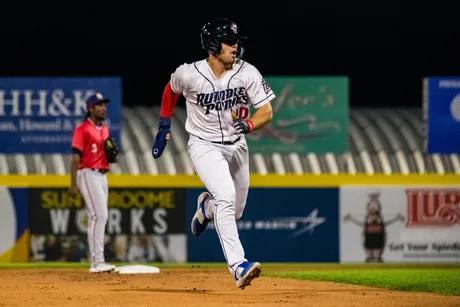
x,y
265,86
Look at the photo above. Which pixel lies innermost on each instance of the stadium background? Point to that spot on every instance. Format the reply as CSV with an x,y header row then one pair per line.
x,y
380,55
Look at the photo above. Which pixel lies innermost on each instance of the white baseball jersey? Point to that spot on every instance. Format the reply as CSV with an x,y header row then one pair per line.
x,y
210,101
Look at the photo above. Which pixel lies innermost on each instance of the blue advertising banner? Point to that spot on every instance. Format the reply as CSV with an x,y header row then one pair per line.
x,y
442,114
38,115
14,225
278,225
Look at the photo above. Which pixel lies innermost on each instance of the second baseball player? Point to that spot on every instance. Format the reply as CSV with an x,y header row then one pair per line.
x,y
217,147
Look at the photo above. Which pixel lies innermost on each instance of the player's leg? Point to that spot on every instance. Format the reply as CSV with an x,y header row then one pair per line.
x,y
239,169
83,184
91,185
104,203
212,167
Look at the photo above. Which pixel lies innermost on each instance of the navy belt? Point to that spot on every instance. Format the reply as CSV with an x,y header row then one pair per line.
x,y
100,170
223,143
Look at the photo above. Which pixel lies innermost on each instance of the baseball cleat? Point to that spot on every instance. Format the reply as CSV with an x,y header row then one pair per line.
x,y
102,268
246,272
199,220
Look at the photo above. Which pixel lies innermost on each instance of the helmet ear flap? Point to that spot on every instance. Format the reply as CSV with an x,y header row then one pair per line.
x,y
240,52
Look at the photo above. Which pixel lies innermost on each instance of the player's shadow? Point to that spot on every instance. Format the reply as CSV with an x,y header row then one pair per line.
x,y
158,290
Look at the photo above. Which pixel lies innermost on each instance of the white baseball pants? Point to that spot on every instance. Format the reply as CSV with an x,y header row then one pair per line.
x,y
94,189
224,170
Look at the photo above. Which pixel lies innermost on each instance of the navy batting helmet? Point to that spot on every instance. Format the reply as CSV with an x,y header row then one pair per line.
x,y
221,30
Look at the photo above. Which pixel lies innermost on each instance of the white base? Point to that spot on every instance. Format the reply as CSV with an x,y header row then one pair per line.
x,y
137,269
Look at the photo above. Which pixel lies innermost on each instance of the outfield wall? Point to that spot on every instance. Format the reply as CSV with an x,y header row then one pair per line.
x,y
287,219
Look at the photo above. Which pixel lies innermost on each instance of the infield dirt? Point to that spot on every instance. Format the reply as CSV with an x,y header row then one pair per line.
x,y
191,287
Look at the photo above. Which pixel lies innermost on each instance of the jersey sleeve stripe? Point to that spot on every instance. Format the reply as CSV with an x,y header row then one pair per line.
x,y
256,104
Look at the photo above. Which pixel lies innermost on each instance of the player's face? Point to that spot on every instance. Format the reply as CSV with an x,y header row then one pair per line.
x,y
228,52
99,111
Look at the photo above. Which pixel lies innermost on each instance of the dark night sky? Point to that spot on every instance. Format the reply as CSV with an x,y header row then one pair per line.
x,y
386,48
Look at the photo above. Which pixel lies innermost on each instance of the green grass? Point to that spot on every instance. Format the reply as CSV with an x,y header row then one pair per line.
x,y
440,281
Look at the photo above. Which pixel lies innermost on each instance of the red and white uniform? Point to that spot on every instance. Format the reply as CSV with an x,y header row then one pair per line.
x,y
88,140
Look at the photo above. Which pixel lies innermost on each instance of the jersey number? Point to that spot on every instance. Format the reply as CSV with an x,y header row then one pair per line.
x,y
242,112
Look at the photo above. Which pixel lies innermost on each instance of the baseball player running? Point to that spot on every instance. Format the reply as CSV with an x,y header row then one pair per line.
x,y
88,174
212,88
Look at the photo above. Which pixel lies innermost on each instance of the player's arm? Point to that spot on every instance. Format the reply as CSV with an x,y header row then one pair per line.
x,y
75,162
261,117
77,149
168,101
260,96
171,93
168,104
